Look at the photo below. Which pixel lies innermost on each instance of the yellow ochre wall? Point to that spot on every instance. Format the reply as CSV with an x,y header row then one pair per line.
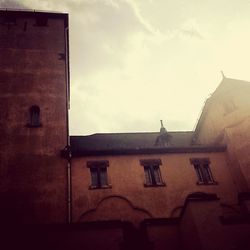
x,y
130,200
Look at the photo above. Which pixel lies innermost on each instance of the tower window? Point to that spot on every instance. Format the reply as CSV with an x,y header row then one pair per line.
x,y
152,172
34,113
98,172
203,171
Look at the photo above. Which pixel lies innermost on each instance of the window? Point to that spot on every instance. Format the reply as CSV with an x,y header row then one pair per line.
x,y
152,172
203,171
34,119
98,171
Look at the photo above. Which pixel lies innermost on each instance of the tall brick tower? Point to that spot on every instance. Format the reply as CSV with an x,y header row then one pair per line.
x,y
34,100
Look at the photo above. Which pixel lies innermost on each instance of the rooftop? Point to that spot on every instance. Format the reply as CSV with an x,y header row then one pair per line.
x,y
16,13
137,143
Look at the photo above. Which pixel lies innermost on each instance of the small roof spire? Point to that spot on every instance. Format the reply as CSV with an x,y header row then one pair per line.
x,y
162,124
222,73
163,138
162,130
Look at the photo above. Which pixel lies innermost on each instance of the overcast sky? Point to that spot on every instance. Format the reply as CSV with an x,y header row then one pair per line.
x,y
135,62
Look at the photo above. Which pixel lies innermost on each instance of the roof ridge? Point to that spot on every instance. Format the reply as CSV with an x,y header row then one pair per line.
x,y
133,133
28,10
234,79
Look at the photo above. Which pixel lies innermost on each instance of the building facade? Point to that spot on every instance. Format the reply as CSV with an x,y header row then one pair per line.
x,y
155,183
162,190
34,111
225,120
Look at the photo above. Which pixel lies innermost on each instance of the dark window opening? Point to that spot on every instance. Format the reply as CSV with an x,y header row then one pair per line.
x,y
203,171
98,171
99,177
152,172
34,113
152,175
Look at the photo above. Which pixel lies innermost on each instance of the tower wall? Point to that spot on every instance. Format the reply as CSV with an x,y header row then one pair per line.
x,y
33,72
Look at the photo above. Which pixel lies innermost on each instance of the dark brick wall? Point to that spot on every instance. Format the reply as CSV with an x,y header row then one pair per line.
x,y
32,72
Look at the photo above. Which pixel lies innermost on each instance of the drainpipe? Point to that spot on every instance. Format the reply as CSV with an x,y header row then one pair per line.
x,y
67,150
69,189
66,154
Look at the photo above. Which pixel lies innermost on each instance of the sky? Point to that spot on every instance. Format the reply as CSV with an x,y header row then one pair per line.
x,y
136,62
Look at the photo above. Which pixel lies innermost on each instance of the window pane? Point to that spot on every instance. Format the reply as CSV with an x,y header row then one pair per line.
x,y
103,177
35,116
207,173
148,177
199,173
94,177
35,119
203,171
157,175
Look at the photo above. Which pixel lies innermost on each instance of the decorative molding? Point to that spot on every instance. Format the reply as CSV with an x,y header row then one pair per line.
x,y
201,196
119,197
150,151
196,161
175,210
150,162
97,164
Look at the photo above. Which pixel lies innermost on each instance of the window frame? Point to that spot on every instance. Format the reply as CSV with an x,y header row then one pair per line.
x,y
151,167
203,171
34,122
96,167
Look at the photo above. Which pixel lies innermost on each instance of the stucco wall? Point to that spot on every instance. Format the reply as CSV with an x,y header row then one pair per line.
x,y
126,176
164,237
201,228
232,128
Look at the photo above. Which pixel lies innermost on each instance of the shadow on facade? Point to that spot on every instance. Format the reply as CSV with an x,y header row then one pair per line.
x,y
201,225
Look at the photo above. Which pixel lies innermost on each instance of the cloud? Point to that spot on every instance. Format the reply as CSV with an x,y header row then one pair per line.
x,y
11,4
104,35
134,62
192,33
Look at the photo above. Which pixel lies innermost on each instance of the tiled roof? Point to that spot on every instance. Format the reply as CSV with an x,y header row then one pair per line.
x,y
130,143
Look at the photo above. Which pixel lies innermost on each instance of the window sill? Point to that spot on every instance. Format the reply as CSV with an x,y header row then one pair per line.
x,y
155,185
207,183
102,187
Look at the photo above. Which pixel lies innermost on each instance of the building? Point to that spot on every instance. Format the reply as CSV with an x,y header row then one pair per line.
x,y
225,120
162,190
34,114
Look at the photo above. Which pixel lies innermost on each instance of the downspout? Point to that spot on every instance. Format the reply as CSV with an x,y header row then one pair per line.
x,y
67,149
69,191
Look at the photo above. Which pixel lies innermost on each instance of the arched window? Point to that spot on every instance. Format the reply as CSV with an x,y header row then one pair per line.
x,y
34,116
